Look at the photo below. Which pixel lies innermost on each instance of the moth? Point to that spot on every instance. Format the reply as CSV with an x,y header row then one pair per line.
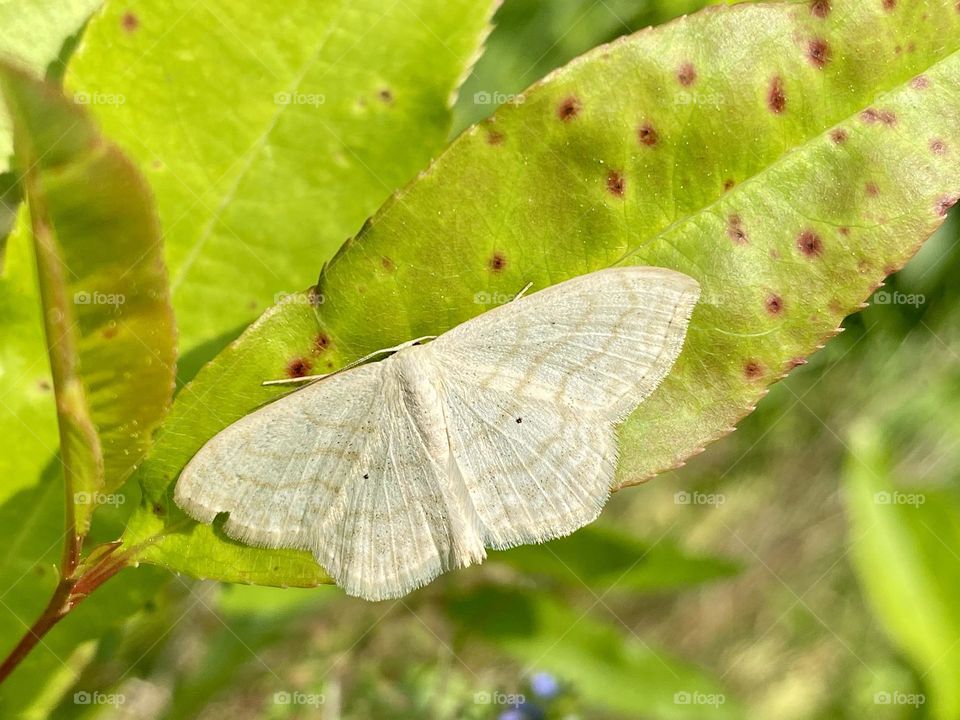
x,y
499,432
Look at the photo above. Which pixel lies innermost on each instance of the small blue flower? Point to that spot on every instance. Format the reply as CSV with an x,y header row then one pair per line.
x,y
544,685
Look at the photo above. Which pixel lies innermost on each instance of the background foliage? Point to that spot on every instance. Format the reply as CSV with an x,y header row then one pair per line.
x,y
804,568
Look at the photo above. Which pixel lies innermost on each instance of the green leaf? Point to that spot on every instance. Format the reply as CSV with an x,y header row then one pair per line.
x,y
838,173
34,33
269,132
904,547
103,287
606,560
609,672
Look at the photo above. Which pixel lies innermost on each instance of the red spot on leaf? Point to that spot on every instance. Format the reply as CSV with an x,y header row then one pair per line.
x,y
752,370
810,244
920,82
889,5
497,262
820,8
839,136
774,304
818,52
944,204
129,22
321,343
844,231
298,367
735,230
568,109
647,135
616,184
871,116
871,189
938,147
110,332
687,74
776,97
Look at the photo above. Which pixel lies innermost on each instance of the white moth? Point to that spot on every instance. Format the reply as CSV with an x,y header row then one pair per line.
x,y
497,433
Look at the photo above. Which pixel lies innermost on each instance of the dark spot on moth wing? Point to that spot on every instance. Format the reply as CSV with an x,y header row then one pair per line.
x,y
568,108
820,8
752,370
776,96
818,52
735,230
687,74
298,367
519,420
647,135
129,22
616,184
774,304
497,262
366,476
839,136
810,244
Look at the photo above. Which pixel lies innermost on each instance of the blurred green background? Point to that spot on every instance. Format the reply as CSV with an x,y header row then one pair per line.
x,y
806,566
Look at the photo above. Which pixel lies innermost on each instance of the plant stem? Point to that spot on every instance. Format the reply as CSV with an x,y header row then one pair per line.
x,y
67,595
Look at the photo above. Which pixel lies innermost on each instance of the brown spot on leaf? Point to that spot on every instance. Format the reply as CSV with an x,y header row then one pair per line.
x,y
497,262
647,135
568,109
44,386
752,370
796,362
810,244
386,94
920,82
298,367
774,304
687,74
616,184
321,343
889,5
872,115
494,137
864,266
839,136
735,230
387,264
818,52
728,184
820,8
871,189
776,97
109,332
129,21
938,147
158,509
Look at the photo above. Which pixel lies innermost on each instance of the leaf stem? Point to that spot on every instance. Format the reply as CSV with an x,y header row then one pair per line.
x,y
70,591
